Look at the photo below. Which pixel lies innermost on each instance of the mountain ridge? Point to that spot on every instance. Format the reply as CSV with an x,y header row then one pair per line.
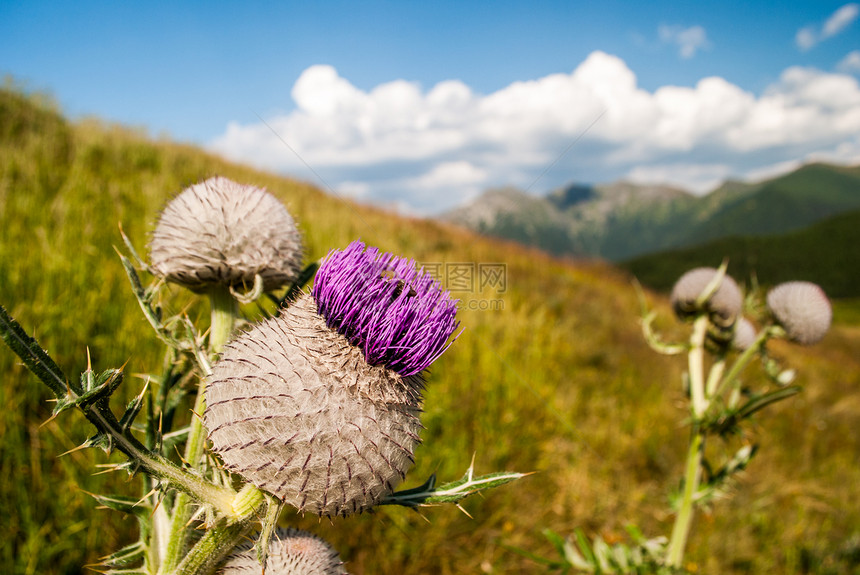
x,y
622,220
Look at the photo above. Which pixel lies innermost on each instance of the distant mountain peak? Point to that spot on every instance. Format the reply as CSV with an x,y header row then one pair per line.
x,y
622,219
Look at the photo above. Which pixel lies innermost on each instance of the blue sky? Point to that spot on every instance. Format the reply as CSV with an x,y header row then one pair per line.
x,y
422,105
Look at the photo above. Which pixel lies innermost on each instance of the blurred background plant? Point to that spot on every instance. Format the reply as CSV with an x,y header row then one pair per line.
x,y
562,374
722,401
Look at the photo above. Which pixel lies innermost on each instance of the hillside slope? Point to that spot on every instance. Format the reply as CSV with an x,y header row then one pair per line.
x,y
824,253
551,375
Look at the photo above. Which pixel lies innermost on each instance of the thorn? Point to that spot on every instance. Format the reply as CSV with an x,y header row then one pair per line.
x,y
422,516
78,448
142,499
49,420
110,468
471,470
181,457
460,507
156,506
89,360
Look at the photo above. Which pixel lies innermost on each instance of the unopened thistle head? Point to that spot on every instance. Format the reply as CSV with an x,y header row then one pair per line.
x,y
744,334
724,305
291,552
320,405
802,309
220,232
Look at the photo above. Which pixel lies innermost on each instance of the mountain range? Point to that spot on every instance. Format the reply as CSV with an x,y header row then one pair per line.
x,y
622,220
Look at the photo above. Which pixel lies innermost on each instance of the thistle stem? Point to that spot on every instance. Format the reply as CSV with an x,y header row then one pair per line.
x,y
693,471
743,360
714,377
211,550
684,519
224,311
696,369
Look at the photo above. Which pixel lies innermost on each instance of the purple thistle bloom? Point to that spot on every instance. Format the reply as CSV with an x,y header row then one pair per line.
x,y
400,316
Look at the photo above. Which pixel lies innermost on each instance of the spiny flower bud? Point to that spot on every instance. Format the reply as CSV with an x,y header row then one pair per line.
x,y
724,305
802,309
221,232
296,408
291,552
744,334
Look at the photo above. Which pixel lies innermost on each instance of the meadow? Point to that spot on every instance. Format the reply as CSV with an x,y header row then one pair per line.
x,y
558,381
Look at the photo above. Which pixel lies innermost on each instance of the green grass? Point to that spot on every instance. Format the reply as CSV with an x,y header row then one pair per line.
x,y
558,382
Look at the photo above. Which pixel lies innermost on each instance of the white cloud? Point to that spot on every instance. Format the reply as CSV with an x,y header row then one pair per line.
x,y
698,178
850,64
841,19
399,144
689,40
808,36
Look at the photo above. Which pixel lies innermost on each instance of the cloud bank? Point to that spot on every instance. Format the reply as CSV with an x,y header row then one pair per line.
x,y
427,151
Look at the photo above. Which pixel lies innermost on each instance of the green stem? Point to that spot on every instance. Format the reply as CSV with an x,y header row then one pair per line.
x,y
743,360
696,369
684,519
211,550
219,497
224,311
714,376
222,538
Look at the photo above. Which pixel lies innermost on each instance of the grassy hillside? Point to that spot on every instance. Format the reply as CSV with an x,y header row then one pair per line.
x,y
558,381
824,253
807,195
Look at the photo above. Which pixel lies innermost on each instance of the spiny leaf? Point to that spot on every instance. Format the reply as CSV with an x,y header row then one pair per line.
x,y
34,357
453,492
762,401
128,505
133,409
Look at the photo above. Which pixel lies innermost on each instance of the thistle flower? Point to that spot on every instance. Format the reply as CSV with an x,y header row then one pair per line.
x,y
398,315
724,305
224,233
291,552
320,405
802,309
